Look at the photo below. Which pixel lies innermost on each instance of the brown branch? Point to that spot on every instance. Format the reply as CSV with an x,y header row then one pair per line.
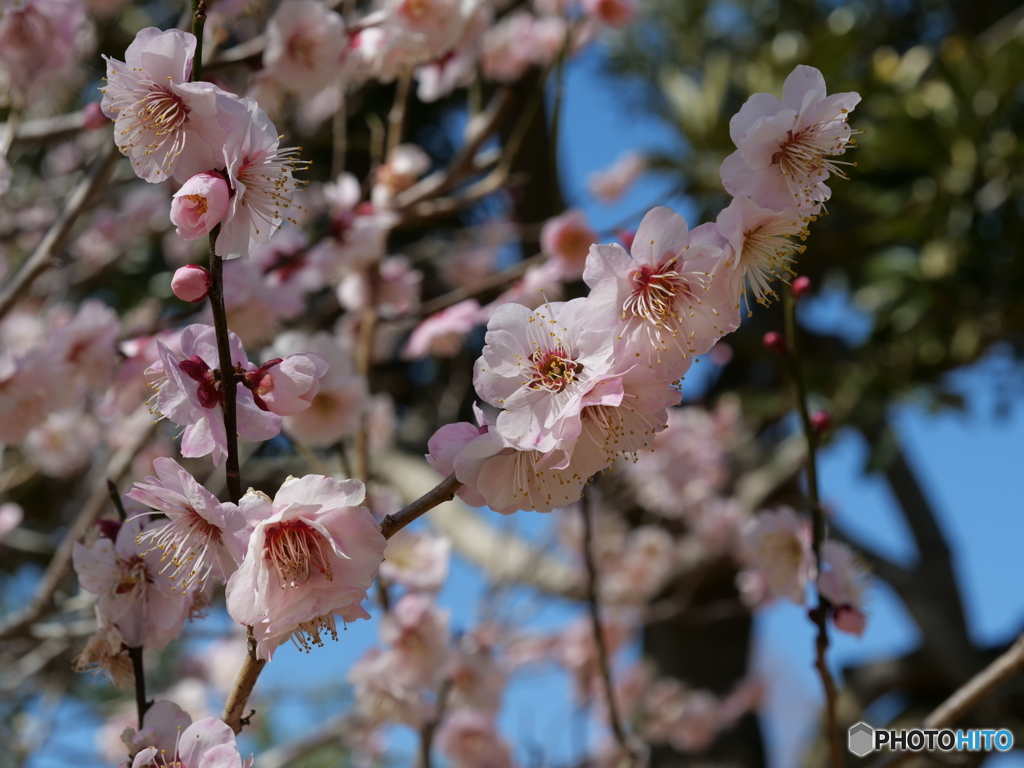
x,y
48,128
820,614
244,683
594,605
57,236
444,491
141,705
396,117
967,697
198,24
42,601
430,726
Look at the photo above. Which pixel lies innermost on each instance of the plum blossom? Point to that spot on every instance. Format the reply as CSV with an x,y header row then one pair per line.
x,y
305,42
567,239
778,545
63,445
761,244
397,291
286,386
200,205
11,515
443,334
313,553
785,147
337,407
203,537
105,653
417,632
191,394
176,742
417,561
471,740
405,164
611,184
259,172
37,39
165,124
135,599
664,304
842,581
477,679
87,342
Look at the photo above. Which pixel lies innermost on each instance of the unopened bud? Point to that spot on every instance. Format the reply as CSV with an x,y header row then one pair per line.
x,y
775,341
93,117
801,286
191,283
821,421
200,204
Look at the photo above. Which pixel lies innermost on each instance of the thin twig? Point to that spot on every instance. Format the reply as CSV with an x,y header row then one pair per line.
x,y
594,605
42,601
489,283
244,684
820,614
396,118
430,726
57,236
968,696
444,491
198,25
228,387
141,705
48,128
115,496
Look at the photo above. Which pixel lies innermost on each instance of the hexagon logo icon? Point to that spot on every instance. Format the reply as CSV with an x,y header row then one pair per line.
x,y
862,739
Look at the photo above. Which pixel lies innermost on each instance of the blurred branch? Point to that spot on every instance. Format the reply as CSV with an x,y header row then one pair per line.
x,y
396,118
57,236
430,726
289,752
489,283
41,602
594,607
967,697
820,614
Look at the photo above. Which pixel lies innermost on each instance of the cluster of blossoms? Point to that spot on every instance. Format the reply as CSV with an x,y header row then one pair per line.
x,y
575,385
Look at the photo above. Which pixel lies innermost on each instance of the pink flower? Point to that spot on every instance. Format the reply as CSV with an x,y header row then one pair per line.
x,y
134,598
577,651
11,516
567,239
64,444
191,283
761,244
191,395
87,343
665,305
305,42
165,124
37,39
383,697
405,164
260,175
506,51
778,546
443,334
416,561
206,743
336,409
784,148
203,537
611,184
477,680
643,567
613,13
418,634
30,387
397,290
313,553
200,205
286,387
471,740
842,581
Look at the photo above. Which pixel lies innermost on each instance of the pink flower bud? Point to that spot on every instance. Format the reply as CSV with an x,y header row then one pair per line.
x,y
821,421
850,619
191,283
775,341
93,117
801,286
286,387
200,204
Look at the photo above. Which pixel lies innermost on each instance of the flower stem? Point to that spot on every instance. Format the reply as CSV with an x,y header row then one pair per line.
x,y
244,684
227,369
444,491
141,705
198,24
820,614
